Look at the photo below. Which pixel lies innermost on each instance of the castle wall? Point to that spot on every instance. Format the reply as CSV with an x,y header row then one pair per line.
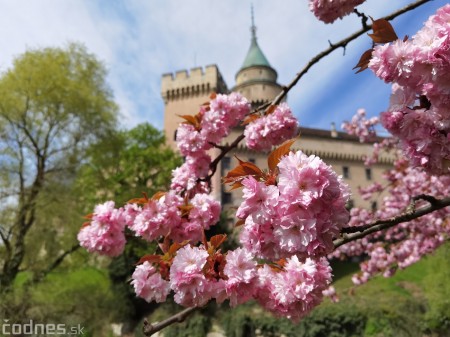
x,y
184,92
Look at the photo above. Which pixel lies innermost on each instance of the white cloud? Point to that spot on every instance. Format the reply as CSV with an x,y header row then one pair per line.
x,y
139,40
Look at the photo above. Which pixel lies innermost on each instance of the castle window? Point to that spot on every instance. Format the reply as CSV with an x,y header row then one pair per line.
x,y
374,206
226,164
227,198
175,134
252,160
368,174
350,204
346,172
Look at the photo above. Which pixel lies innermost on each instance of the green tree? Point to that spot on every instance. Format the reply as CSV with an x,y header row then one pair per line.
x,y
54,103
120,168
125,165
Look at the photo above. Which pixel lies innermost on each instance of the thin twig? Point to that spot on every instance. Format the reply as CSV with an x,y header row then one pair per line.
x,y
363,17
285,89
341,44
149,329
379,225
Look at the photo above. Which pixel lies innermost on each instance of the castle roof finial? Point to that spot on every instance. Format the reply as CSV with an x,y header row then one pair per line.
x,y
253,27
255,56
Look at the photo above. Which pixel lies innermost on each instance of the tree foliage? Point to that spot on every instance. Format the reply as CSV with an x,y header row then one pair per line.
x,y
54,103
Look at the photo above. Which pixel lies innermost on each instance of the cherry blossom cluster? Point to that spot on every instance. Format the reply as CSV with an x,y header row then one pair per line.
x,y
403,244
151,219
330,10
290,289
200,133
296,290
419,113
294,216
270,130
300,215
104,233
362,127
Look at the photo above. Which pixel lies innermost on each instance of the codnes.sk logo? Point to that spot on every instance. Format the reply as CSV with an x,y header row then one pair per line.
x,y
35,329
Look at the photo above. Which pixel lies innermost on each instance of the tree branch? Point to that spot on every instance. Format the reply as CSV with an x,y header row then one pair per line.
x,y
341,44
379,225
5,240
149,329
57,262
333,46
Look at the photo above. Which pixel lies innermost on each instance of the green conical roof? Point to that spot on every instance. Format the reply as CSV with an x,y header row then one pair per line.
x,y
255,56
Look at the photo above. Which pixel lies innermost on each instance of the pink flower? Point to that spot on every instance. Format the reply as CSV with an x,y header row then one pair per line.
x,y
259,199
206,210
148,284
190,140
187,279
295,290
104,234
241,272
150,222
330,10
270,130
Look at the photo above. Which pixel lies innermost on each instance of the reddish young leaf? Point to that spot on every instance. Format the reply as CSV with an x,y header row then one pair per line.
x,y
185,210
281,262
141,201
363,62
270,109
89,216
250,118
190,119
194,120
217,240
383,32
158,195
237,172
250,169
244,169
85,224
152,258
175,246
275,156
165,245
213,95
240,222
235,186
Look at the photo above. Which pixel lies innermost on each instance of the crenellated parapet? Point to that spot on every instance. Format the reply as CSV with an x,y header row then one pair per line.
x,y
196,82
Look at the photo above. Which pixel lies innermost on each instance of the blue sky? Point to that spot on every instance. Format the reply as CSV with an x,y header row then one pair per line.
x,y
138,40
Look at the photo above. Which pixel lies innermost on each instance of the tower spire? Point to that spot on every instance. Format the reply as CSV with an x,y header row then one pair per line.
x,y
253,27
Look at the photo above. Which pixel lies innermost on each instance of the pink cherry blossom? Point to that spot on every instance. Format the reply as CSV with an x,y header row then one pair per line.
x,y
187,280
148,283
330,10
296,289
241,272
270,130
104,233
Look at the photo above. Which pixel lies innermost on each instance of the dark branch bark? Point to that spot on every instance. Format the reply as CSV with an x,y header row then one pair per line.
x,y
56,263
149,329
356,233
5,241
341,44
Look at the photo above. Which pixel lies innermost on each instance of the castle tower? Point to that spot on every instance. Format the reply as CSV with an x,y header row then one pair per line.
x,y
256,79
184,92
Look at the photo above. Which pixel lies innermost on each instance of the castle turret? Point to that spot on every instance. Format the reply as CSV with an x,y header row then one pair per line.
x,y
256,79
